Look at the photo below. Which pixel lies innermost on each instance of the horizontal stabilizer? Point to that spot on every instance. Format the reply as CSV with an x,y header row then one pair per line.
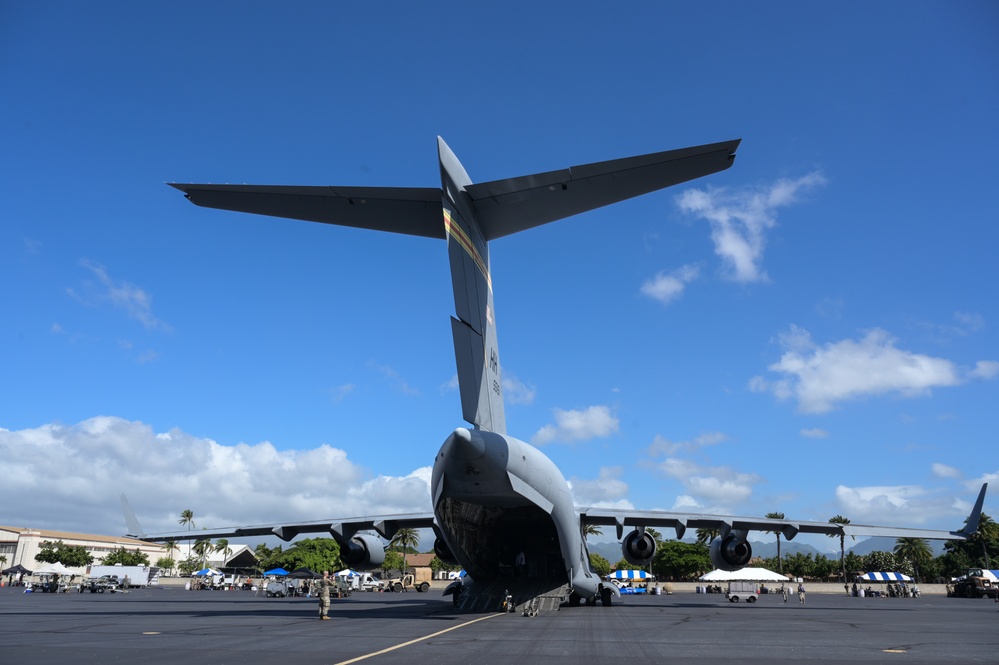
x,y
409,210
507,206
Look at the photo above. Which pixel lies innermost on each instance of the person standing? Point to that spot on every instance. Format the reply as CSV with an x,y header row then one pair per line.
x,y
801,593
323,589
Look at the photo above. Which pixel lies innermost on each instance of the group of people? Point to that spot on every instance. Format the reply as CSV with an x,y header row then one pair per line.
x,y
896,590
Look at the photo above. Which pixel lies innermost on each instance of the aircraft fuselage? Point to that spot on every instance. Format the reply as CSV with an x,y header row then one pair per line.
x,y
497,501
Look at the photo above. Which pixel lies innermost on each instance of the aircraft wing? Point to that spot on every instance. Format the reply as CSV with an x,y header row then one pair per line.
x,y
680,522
506,206
410,210
340,529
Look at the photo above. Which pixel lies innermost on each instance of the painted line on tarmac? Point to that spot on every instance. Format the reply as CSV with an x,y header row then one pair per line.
x,y
418,639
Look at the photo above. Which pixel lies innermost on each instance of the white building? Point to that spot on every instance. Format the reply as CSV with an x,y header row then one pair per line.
x,y
20,545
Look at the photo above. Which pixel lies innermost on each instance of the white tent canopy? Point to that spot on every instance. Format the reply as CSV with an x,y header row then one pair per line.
x,y
884,577
53,568
630,575
743,575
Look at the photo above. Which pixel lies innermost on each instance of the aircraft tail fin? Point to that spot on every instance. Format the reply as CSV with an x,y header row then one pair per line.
x,y
130,521
474,326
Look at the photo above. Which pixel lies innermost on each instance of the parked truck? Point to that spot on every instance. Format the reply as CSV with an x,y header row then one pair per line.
x,y
138,576
405,583
977,583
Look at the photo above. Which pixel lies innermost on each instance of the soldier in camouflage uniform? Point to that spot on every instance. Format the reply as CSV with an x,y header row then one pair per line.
x,y
323,589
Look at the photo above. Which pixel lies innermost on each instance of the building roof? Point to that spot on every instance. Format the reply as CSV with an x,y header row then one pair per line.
x,y
49,534
420,560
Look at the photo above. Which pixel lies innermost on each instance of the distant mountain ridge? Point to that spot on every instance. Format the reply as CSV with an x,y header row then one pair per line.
x,y
612,550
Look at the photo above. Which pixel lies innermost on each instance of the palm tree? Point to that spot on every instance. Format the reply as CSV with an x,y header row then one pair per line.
x,y
186,517
915,550
988,531
839,519
222,546
707,536
203,547
591,530
171,546
780,562
405,538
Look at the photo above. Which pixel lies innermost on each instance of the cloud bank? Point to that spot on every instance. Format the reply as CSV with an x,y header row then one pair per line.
x,y
821,377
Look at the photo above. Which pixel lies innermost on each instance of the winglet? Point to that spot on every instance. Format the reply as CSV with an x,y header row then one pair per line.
x,y
134,529
971,525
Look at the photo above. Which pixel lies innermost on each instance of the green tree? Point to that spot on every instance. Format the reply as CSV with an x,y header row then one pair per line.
x,y
186,517
126,558
599,565
986,539
777,532
267,557
188,565
886,562
914,550
222,547
624,565
71,556
799,565
317,554
707,536
678,560
437,565
591,530
203,547
839,519
393,561
404,539
166,563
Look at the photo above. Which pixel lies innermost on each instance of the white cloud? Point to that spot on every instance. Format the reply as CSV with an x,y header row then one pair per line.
x,y
740,219
137,303
944,471
578,425
819,378
69,478
516,391
898,505
814,433
720,485
663,446
606,491
667,287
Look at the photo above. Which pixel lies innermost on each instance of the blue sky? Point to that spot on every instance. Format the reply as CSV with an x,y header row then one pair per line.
x,y
813,331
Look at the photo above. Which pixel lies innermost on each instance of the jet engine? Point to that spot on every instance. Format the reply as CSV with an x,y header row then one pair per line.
x,y
363,551
638,548
731,552
443,552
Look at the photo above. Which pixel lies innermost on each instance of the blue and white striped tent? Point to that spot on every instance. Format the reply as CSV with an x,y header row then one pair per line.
x,y
885,577
630,575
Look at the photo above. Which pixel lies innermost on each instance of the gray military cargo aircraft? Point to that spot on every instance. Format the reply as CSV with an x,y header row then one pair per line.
x,y
500,506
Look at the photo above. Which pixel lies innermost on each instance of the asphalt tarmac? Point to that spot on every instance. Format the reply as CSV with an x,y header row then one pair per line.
x,y
162,625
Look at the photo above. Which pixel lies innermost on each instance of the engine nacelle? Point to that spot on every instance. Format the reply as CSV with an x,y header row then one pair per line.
x,y
731,552
443,552
363,551
638,548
